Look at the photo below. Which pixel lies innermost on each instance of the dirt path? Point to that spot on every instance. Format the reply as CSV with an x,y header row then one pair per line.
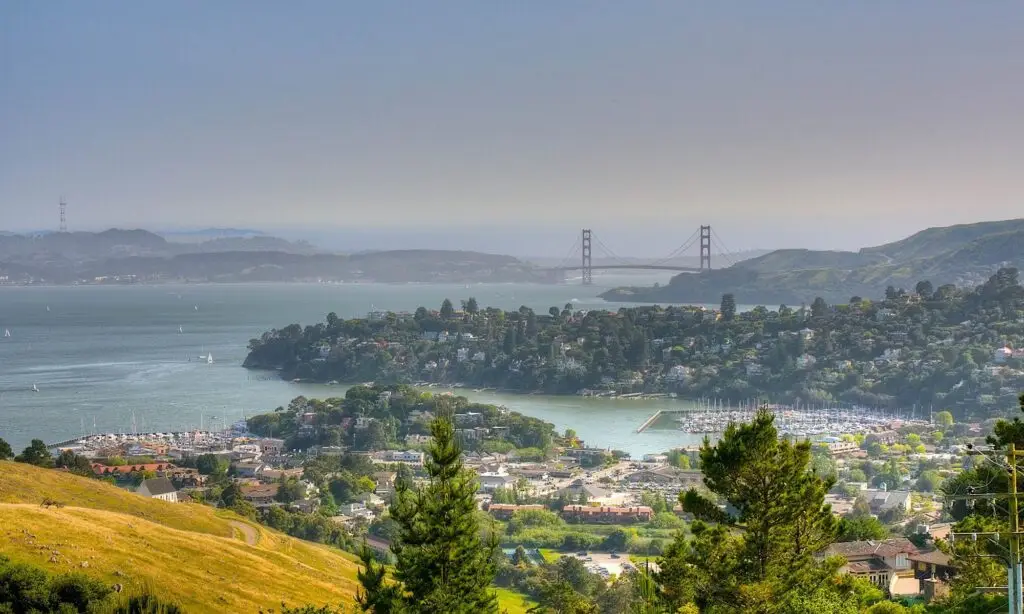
x,y
249,532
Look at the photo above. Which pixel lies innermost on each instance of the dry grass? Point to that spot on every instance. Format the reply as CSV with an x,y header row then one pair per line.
x,y
188,553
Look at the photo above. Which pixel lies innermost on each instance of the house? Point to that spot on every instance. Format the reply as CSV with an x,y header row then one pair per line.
x,y
490,481
1001,355
260,495
411,457
504,511
158,488
356,510
385,481
666,477
122,470
271,446
615,515
590,493
886,564
805,361
884,501
248,470
934,565
839,448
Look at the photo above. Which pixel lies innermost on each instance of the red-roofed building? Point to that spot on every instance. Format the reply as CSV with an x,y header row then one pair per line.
x,y
122,470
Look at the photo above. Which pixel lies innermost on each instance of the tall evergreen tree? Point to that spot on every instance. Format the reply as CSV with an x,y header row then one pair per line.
x,y
775,501
443,565
728,307
447,309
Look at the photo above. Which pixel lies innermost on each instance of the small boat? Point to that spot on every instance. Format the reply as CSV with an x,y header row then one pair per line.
x,y
196,307
7,332
35,388
47,308
179,330
209,359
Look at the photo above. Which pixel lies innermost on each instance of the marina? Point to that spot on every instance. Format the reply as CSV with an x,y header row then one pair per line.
x,y
790,421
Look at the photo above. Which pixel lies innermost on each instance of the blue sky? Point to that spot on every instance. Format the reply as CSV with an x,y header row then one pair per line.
x,y
782,124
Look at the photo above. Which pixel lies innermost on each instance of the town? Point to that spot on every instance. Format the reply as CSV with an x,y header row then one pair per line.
x,y
331,468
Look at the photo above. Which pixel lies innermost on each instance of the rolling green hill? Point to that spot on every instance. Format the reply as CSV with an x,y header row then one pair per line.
x,y
963,255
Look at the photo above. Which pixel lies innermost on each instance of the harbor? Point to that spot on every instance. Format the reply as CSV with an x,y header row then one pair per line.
x,y
791,421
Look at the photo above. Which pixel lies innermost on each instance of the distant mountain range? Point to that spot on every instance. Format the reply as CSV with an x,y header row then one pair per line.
x,y
966,254
140,255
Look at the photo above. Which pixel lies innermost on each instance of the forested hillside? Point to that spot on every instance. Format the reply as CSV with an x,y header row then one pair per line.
x,y
950,347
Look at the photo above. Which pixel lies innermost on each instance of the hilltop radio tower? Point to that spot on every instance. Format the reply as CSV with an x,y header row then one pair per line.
x,y
63,215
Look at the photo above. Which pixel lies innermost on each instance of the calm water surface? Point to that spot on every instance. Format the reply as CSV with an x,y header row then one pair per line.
x,y
100,356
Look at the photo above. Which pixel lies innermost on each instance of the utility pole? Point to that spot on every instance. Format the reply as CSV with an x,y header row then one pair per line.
x,y
1016,603
1011,538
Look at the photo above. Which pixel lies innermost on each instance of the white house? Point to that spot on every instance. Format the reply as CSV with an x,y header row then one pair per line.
x,y
805,362
158,488
411,457
676,374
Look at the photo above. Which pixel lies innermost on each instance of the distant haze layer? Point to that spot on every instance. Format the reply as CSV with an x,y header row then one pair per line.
x,y
824,125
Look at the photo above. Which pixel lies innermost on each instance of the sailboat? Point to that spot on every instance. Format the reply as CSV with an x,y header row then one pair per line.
x,y
47,308
7,332
209,358
179,330
196,307
35,388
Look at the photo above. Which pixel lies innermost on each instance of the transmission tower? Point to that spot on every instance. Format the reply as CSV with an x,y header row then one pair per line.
x,y
588,263
705,248
63,215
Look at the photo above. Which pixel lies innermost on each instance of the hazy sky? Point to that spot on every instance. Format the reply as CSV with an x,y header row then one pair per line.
x,y
818,124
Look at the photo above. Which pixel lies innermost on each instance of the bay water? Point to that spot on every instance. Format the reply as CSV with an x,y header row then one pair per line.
x,y
83,359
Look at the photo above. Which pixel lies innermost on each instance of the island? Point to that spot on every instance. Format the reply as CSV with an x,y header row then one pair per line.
x,y
930,347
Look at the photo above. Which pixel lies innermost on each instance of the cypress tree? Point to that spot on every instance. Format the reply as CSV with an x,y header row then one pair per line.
x,y
443,565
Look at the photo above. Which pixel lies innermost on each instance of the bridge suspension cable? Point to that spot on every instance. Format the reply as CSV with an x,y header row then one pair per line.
x,y
723,250
608,252
679,250
571,255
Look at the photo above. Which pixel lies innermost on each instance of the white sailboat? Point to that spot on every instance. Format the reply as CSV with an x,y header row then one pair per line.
x,y
47,308
179,330
7,332
35,388
196,307
209,358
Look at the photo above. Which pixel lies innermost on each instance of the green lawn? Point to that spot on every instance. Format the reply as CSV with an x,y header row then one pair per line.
x,y
512,602
550,555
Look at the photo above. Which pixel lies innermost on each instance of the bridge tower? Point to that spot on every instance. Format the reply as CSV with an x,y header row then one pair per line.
x,y
705,248
588,265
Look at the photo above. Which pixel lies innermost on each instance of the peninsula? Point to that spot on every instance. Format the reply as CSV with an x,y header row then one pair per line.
x,y
931,346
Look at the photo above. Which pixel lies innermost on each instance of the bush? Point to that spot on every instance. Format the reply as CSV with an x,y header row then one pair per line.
x,y
666,520
524,519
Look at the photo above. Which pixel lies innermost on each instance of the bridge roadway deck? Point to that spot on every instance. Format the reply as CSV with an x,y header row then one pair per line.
x,y
649,267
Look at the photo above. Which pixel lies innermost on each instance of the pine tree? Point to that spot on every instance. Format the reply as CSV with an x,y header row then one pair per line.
x,y
775,501
728,307
443,565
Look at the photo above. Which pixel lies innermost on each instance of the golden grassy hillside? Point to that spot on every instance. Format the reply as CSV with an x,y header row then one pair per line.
x,y
207,560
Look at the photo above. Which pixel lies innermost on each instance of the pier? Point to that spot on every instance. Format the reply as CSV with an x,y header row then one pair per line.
x,y
650,421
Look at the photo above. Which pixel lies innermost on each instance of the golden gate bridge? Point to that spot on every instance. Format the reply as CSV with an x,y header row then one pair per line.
x,y
581,256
